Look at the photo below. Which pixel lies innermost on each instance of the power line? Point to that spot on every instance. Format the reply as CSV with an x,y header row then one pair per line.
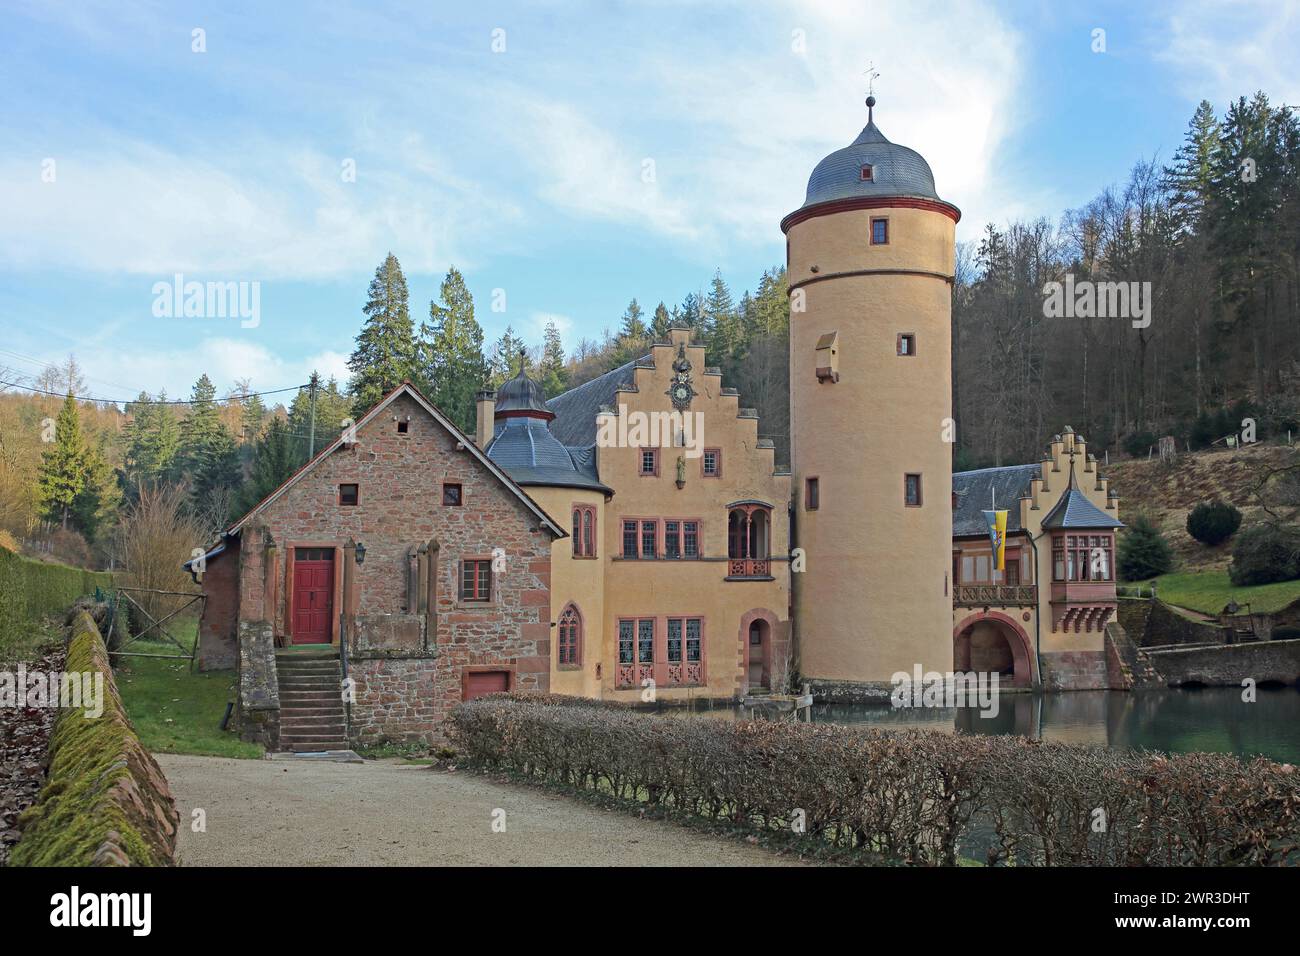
x,y
151,401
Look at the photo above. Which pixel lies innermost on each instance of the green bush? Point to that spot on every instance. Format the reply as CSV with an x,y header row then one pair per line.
x,y
1138,444
1263,554
1143,551
1213,522
912,796
31,591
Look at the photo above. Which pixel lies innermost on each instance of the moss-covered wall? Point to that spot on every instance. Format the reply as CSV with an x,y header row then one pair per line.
x,y
31,590
105,802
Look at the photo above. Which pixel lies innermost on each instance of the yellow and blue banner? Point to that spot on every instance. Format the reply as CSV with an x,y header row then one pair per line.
x,y
997,522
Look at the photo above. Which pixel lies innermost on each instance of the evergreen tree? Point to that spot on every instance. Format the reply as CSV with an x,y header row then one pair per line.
x,y
1143,551
661,323
722,325
64,473
688,315
152,438
507,354
385,353
1191,176
332,408
633,328
552,368
208,458
451,346
274,462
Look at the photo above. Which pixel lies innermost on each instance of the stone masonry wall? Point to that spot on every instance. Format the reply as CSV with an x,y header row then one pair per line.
x,y
407,680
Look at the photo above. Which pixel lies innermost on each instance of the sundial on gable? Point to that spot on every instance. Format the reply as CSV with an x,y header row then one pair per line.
x,y
681,391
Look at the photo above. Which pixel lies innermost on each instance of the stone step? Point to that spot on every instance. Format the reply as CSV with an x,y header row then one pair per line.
x,y
307,731
307,747
324,710
310,683
307,667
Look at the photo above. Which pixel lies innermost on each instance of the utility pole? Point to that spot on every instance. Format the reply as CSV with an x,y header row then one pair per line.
x,y
311,440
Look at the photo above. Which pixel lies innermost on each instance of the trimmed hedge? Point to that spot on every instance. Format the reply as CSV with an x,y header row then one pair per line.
x,y
33,590
919,797
105,801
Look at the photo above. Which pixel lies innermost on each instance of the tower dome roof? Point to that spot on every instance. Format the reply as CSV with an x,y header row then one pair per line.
x,y
522,396
871,167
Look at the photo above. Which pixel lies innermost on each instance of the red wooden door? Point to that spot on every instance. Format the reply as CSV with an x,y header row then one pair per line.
x,y
478,683
313,595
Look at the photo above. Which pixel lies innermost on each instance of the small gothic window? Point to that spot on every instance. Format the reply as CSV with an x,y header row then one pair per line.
x,y
570,638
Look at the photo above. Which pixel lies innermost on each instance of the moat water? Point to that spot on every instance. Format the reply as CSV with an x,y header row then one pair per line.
x,y
1212,719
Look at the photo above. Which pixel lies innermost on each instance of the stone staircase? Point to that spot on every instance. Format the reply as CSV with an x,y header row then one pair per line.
x,y
1135,667
311,701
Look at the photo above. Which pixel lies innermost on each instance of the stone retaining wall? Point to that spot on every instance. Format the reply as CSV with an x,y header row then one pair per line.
x,y
1228,665
105,801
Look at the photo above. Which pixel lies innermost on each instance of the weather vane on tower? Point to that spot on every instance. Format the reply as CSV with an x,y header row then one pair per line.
x,y
871,75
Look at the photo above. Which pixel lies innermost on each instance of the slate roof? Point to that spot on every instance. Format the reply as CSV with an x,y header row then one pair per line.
x,y
1074,510
974,490
896,171
521,394
532,455
575,410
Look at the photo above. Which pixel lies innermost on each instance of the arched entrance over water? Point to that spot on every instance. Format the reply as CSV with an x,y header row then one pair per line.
x,y
991,642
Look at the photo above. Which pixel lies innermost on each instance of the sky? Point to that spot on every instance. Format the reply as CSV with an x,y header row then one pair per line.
x,y
566,157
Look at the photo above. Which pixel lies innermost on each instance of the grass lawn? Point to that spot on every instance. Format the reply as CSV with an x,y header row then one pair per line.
x,y
176,711
1209,591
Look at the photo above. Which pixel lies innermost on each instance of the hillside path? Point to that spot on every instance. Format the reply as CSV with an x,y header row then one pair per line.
x,y
385,813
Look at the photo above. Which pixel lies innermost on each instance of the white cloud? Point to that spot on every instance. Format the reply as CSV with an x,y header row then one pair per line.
x,y
563,323
1222,51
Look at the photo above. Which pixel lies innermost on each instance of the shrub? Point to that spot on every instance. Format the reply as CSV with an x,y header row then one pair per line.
x,y
1263,554
1138,444
1143,551
915,796
33,590
1213,522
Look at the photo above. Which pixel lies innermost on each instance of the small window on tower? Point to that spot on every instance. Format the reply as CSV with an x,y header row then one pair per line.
x,y
812,494
868,173
880,232
912,491
906,343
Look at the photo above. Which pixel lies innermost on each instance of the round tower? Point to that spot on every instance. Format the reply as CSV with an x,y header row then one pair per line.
x,y
870,259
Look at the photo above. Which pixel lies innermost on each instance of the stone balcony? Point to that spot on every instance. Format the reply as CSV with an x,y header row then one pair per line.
x,y
995,595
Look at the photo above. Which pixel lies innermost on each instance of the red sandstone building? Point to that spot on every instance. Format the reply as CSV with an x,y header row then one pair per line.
x,y
405,536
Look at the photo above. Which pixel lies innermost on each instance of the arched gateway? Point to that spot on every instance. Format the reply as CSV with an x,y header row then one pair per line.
x,y
992,642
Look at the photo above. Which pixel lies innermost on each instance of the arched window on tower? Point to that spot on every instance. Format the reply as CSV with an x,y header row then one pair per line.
x,y
749,541
570,638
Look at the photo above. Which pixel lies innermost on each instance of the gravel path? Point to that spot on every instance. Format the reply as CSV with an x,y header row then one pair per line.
x,y
382,813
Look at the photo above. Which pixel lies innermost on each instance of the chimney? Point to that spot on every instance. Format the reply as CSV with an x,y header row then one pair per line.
x,y
485,405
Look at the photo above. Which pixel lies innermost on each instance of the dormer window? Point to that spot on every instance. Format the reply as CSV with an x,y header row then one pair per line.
x,y
868,173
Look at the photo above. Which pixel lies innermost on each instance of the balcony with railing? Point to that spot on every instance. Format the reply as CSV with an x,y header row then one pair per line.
x,y
749,568
995,595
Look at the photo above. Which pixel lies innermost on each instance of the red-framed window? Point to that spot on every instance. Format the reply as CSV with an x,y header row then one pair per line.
x,y
880,231
912,490
476,580
685,640
451,493
570,638
649,538
584,532
636,640
649,461
711,463
868,173
349,494
630,539
681,538
1083,557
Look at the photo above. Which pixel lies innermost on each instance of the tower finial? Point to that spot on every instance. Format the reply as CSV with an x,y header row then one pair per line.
x,y
523,360
871,75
